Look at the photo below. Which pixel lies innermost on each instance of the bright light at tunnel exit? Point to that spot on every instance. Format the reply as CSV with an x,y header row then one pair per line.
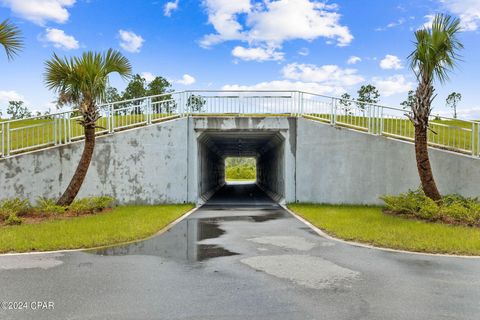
x,y
240,169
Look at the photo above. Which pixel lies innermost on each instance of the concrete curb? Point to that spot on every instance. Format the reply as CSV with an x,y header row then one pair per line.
x,y
166,228
323,234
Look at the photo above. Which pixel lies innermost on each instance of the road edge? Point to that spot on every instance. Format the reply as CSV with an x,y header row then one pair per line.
x,y
161,231
323,234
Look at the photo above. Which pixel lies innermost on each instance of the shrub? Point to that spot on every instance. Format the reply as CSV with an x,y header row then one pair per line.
x,y
405,203
100,203
453,209
81,206
90,205
4,214
49,207
429,210
15,206
13,220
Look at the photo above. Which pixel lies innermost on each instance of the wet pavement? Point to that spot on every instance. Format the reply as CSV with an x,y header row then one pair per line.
x,y
241,256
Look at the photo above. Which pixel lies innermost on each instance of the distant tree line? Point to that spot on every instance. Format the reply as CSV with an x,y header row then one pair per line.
x,y
16,109
369,94
239,168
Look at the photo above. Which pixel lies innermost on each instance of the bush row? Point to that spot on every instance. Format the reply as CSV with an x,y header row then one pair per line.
x,y
453,209
241,172
12,211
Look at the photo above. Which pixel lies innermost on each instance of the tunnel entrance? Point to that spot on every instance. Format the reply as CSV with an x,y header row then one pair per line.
x,y
267,148
240,169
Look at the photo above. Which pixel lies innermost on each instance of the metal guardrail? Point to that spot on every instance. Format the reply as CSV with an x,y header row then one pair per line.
x,y
17,136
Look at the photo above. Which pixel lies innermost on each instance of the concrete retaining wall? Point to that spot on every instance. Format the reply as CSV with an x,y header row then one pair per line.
x,y
145,165
166,163
270,171
338,165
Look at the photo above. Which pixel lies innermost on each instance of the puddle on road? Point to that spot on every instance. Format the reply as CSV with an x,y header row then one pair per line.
x,y
183,241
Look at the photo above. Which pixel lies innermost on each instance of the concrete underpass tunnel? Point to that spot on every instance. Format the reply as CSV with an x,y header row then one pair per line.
x,y
267,147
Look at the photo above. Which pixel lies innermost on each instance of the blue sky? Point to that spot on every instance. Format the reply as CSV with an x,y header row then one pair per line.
x,y
329,47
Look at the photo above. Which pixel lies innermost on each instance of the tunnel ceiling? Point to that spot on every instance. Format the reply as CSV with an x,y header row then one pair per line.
x,y
241,143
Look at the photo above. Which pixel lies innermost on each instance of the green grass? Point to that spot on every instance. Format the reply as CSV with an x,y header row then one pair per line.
x,y
43,132
457,136
370,225
122,224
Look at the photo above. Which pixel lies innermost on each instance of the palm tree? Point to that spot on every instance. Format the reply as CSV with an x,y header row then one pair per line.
x,y
10,39
82,82
434,57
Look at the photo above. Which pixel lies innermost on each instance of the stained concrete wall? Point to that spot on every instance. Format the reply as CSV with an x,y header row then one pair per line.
x,y
160,164
339,165
144,165
212,171
271,171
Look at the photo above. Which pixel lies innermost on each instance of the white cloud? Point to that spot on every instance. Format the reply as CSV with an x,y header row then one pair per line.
x,y
256,54
331,75
271,23
288,85
304,52
10,95
170,7
130,41
467,10
40,11
392,85
393,24
148,76
354,60
429,21
60,39
222,14
391,62
327,79
463,113
186,80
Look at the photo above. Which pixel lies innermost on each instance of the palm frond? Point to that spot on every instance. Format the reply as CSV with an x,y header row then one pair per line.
x,y
10,38
83,80
436,49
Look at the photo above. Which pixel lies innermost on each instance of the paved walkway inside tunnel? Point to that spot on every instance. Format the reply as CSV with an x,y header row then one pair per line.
x,y
238,194
241,256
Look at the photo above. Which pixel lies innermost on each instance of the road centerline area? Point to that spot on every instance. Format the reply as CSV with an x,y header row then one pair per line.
x,y
241,256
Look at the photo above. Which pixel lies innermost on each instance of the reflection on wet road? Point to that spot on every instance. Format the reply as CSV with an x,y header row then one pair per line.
x,y
185,241
241,256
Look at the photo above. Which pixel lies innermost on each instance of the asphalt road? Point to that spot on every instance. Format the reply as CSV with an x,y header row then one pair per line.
x,y
240,257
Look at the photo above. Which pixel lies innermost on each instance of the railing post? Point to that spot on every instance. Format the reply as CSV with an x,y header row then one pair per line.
x,y
184,104
333,115
55,130
7,130
381,121
478,139
64,129
473,139
369,119
69,127
300,113
2,152
149,110
112,118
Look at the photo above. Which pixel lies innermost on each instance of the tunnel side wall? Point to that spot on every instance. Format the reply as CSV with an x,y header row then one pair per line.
x,y
343,166
147,165
212,172
270,171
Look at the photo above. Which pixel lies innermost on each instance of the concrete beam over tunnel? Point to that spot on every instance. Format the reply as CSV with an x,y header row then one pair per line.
x,y
272,141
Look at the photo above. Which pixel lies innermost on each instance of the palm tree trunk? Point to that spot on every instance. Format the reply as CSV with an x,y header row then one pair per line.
x,y
82,168
423,164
